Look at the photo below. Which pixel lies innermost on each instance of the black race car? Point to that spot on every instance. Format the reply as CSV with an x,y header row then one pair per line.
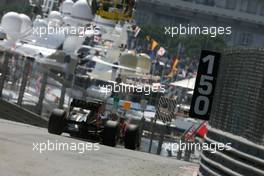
x,y
85,120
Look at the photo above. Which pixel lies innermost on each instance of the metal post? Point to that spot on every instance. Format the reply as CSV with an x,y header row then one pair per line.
x,y
62,96
142,122
179,154
42,93
4,73
24,80
187,152
161,141
153,124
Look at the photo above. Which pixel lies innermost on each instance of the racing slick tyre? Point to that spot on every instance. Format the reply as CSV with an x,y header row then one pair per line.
x,y
57,122
110,133
131,139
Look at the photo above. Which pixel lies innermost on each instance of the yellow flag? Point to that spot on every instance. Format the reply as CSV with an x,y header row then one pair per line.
x,y
154,44
174,67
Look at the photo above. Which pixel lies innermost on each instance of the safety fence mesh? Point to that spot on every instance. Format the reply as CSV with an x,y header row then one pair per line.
x,y
238,105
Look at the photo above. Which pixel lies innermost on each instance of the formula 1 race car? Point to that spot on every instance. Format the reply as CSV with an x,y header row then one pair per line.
x,y
83,120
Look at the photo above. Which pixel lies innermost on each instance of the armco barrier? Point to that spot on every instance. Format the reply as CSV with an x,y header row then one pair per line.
x,y
10,111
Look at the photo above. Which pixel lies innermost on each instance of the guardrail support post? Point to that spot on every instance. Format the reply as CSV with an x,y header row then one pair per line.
x,y
42,93
4,73
62,96
24,80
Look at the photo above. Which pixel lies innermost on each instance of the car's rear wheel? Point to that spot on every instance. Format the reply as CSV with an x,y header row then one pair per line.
x,y
131,139
57,122
111,133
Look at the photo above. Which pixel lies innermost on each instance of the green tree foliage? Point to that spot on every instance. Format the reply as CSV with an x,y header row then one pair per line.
x,y
26,9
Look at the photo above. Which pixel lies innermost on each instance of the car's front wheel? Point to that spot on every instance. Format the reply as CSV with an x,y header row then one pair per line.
x,y
57,122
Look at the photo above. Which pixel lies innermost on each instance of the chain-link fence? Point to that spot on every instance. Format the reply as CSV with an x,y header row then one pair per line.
x,y
239,97
237,116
